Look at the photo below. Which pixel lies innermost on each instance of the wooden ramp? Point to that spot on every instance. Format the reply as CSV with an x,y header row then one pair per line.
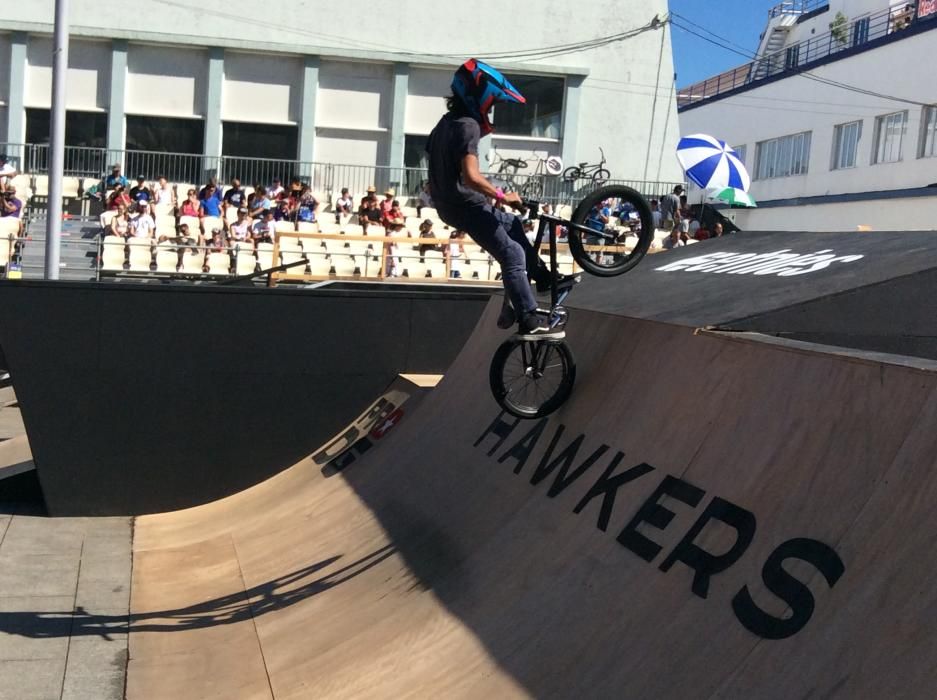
x,y
709,516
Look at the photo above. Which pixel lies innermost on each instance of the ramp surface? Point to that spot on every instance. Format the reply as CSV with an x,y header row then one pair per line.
x,y
709,516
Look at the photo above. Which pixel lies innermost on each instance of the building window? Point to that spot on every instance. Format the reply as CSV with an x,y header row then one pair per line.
x,y
792,57
260,153
860,31
889,133
85,138
929,134
165,147
541,116
788,155
741,151
845,145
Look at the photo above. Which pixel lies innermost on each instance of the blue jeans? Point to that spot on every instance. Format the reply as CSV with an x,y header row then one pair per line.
x,y
502,236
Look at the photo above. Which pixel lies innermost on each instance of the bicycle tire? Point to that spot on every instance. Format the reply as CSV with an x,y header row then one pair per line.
x,y
504,383
532,189
601,176
572,173
619,262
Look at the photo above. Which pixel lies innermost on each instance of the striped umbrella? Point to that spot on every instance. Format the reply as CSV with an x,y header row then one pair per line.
x,y
710,163
732,195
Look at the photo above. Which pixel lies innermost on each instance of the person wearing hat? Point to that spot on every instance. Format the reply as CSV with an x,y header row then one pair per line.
x,y
143,225
140,192
670,209
115,178
391,250
387,205
369,211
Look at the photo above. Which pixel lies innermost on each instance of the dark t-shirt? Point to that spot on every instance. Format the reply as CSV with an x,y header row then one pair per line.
x,y
234,197
453,138
139,194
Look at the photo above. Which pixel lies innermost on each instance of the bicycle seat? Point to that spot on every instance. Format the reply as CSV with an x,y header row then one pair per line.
x,y
583,165
521,164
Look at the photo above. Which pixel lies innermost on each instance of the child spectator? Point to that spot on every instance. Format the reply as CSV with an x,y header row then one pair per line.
x,y
217,244
394,214
455,252
343,205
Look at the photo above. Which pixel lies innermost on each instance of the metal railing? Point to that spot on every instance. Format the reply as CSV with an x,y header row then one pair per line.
x,y
796,7
802,55
326,179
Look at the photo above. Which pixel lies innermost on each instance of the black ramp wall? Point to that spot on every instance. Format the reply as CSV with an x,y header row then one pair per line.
x,y
144,398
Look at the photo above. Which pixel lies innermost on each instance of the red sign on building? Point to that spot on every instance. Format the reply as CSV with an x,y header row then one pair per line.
x,y
926,8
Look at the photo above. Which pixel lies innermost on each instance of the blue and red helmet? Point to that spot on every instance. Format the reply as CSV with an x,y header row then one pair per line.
x,y
479,87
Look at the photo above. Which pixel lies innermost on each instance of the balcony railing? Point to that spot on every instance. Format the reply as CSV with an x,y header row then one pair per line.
x,y
800,56
796,7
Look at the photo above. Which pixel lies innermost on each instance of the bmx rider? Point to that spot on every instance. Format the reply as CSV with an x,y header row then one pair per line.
x,y
462,194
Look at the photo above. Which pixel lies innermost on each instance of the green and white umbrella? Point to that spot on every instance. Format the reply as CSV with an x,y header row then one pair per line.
x,y
732,195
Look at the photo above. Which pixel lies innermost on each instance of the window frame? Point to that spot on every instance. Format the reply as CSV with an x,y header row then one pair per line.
x,y
879,145
836,157
784,156
928,112
554,118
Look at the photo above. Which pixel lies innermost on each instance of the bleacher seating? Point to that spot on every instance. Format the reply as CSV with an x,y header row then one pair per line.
x,y
113,253
141,254
219,264
245,263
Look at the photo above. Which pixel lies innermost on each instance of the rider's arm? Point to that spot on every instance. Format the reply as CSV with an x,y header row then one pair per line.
x,y
473,179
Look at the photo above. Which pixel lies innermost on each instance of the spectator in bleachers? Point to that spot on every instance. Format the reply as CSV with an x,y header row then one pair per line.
x,y
717,230
240,230
426,231
164,193
217,244
386,205
258,203
529,232
343,205
395,213
655,213
143,225
455,252
212,182
263,229
306,209
284,210
391,250
7,172
425,199
191,206
234,198
674,240
183,238
115,178
118,197
140,192
120,223
276,190
10,205
211,200
369,214
547,208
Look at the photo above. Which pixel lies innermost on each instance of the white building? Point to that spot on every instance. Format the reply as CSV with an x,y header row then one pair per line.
x,y
353,83
823,156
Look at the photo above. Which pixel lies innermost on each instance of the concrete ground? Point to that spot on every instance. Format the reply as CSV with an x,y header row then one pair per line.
x,y
64,592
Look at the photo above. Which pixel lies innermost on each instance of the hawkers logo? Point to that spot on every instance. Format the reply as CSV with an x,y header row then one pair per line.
x,y
782,263
717,539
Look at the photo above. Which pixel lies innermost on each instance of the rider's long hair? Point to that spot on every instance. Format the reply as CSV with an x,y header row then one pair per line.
x,y
455,106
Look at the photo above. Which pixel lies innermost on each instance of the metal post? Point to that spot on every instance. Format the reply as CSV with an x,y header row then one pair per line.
x,y
57,141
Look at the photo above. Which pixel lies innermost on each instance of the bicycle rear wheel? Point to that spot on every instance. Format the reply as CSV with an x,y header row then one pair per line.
x,y
615,250
531,379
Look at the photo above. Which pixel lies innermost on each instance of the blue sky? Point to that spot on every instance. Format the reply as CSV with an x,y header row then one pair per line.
x,y
740,21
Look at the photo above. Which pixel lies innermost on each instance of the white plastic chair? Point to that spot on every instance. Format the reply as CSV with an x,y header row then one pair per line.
x,y
141,254
112,253
219,264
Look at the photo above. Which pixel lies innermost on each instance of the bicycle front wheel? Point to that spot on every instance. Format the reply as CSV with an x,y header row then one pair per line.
x,y
618,248
601,176
532,189
531,379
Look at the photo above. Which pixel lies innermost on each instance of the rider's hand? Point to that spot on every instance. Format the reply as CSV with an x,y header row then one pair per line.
x,y
513,200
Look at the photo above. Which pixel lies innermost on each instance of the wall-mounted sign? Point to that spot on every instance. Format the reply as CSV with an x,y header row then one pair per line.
x,y
926,8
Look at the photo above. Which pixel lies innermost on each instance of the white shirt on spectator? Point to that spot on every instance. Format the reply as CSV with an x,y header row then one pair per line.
x,y
263,227
143,226
164,195
240,229
274,191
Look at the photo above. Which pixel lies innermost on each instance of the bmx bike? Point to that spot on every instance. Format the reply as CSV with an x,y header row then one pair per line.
x,y
532,375
584,171
533,187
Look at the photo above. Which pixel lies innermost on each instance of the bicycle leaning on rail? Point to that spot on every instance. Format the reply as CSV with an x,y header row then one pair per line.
x,y
533,375
533,187
596,171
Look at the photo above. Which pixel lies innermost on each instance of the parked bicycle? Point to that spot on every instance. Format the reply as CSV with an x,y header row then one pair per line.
x,y
506,167
533,187
595,171
533,375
